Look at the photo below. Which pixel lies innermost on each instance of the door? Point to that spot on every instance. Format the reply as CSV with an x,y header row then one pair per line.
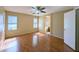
x,y
1,30
69,29
47,25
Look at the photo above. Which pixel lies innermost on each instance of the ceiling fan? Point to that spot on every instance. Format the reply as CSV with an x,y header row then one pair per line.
x,y
38,10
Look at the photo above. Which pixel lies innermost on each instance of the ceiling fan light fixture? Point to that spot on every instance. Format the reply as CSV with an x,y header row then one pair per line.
x,y
38,9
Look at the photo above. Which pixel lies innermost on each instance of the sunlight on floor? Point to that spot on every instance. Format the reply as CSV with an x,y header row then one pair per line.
x,y
40,34
35,40
12,43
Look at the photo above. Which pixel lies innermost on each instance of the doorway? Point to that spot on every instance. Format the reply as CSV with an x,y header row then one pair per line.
x,y
47,25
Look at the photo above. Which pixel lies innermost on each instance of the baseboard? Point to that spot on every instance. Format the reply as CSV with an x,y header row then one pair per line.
x,y
69,47
57,36
19,35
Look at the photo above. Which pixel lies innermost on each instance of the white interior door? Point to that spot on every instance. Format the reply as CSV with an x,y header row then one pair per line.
x,y
69,29
1,30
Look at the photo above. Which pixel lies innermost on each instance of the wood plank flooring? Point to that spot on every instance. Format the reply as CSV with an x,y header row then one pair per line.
x,y
34,42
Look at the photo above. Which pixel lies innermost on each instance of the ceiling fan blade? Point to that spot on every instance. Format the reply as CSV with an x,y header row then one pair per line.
x,y
33,7
43,11
42,8
38,7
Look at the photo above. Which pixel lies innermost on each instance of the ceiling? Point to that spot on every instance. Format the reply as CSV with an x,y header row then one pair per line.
x,y
28,9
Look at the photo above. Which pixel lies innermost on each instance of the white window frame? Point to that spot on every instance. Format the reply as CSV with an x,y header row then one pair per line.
x,y
13,23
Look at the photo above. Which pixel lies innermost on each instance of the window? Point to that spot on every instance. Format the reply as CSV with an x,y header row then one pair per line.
x,y
35,22
12,23
41,23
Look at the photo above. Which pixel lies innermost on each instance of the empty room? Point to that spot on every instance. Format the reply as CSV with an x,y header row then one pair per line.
x,y
39,29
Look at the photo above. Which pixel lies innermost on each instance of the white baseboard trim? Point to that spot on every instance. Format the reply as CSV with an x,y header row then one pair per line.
x,y
57,36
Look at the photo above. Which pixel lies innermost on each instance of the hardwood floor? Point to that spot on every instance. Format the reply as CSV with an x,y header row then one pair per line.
x,y
68,49
34,42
